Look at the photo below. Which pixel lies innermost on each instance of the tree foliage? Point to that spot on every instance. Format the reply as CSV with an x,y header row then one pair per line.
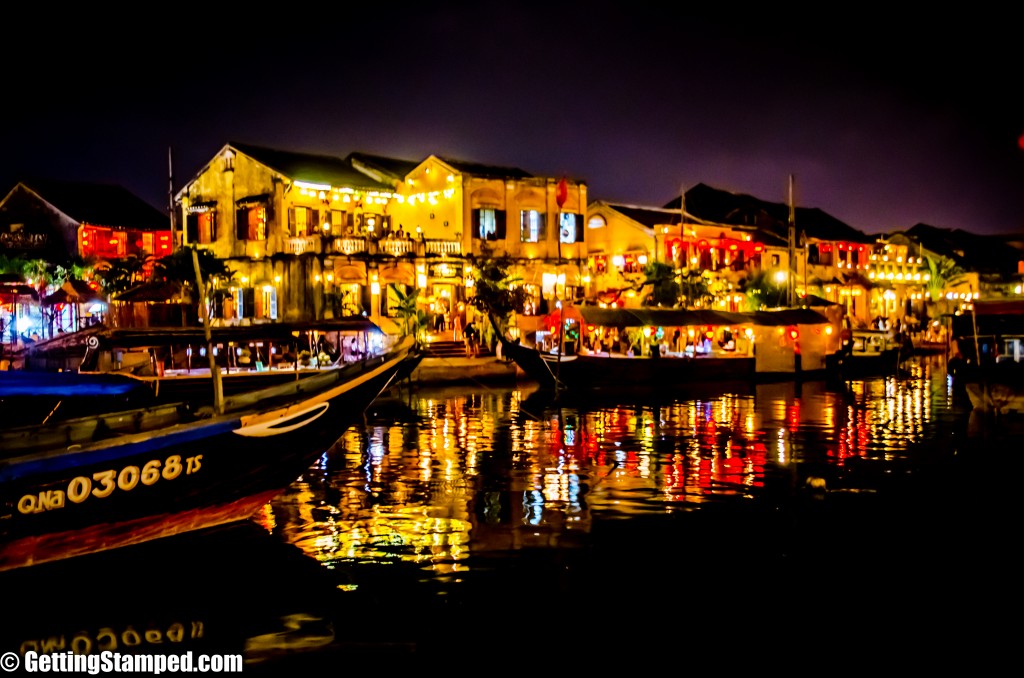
x,y
178,267
761,291
664,288
498,293
414,319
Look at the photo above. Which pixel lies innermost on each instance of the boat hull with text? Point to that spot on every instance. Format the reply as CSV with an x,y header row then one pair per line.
x,y
149,466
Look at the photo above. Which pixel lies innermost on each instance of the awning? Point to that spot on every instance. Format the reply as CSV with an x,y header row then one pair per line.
x,y
253,200
353,273
401,273
198,207
659,317
73,292
10,293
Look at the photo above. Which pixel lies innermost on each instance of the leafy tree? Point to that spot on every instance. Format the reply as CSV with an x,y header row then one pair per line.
x,y
762,291
665,289
498,293
695,286
178,267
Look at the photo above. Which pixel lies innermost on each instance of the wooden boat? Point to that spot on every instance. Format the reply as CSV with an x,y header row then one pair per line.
x,y
712,346
987,355
172,361
871,352
121,476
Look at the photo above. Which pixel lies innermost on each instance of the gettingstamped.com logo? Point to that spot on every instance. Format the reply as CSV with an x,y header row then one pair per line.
x,y
115,662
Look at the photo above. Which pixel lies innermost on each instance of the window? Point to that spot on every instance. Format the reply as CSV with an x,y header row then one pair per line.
x,y
570,227
339,220
201,227
596,221
251,223
531,226
488,224
303,221
265,302
775,261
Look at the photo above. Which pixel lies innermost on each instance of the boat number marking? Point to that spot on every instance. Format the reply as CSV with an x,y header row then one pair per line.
x,y
104,483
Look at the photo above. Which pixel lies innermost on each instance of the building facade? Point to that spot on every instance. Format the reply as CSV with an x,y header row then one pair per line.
x,y
312,236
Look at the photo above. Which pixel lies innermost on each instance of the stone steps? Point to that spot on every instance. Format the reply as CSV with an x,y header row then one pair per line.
x,y
452,349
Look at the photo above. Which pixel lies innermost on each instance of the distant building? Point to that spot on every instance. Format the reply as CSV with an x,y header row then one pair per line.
x,y
58,221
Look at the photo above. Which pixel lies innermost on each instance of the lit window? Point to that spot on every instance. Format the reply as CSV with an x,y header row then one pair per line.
x,y
531,226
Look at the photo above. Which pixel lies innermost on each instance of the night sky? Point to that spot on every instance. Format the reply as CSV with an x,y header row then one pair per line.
x,y
882,126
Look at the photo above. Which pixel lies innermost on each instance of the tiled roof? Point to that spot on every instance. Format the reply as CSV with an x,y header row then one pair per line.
x,y
317,169
723,207
394,167
487,171
648,216
660,216
99,204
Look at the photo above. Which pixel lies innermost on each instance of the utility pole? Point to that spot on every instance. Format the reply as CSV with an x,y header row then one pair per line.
x,y
791,278
170,197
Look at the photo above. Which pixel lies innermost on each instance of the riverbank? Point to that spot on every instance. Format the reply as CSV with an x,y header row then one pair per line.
x,y
451,370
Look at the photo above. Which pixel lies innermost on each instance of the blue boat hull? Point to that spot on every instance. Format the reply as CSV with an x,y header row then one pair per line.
x,y
193,466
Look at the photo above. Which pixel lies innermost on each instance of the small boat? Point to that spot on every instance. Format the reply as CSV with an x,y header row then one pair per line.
x,y
120,476
873,352
987,356
711,347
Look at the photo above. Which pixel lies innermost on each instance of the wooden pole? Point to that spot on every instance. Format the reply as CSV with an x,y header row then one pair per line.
x,y
218,387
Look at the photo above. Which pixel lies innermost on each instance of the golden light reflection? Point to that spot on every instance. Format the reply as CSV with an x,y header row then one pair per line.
x,y
461,474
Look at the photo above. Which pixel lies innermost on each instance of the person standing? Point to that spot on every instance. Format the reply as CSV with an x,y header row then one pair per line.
x,y
471,337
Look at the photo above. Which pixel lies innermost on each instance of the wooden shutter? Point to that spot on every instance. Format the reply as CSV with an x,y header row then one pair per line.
x,y
291,221
499,222
475,214
242,223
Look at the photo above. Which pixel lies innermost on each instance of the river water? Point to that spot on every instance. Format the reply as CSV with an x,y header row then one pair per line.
x,y
808,526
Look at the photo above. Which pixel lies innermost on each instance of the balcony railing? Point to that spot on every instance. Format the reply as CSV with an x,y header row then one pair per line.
x,y
444,248
305,245
349,245
396,248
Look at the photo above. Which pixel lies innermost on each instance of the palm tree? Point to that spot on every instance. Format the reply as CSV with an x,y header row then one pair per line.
x,y
414,319
119,275
943,273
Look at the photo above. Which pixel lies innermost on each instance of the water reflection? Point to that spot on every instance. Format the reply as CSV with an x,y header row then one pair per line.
x,y
441,476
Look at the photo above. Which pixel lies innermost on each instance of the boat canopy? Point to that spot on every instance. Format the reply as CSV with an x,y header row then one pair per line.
x,y
681,317
129,337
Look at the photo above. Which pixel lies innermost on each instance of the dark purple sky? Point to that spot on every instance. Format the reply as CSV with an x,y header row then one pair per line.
x,y
883,127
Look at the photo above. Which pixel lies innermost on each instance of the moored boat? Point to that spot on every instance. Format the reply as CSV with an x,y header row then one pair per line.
x,y
987,355
672,349
116,477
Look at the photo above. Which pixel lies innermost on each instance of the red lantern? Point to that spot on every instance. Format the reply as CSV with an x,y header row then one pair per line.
x,y
561,193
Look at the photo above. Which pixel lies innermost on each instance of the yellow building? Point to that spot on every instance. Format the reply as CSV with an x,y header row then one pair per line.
x,y
317,236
